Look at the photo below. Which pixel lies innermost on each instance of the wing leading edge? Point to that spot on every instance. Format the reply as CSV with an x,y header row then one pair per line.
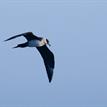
x,y
28,35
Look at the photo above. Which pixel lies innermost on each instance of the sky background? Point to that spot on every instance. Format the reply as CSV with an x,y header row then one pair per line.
x,y
77,30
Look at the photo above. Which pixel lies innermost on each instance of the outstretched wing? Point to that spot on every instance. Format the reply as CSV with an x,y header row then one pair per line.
x,y
28,35
48,58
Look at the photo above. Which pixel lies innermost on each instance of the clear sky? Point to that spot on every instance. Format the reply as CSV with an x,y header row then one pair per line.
x,y
77,30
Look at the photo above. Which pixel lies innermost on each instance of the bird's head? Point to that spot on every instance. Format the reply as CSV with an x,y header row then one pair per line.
x,y
47,42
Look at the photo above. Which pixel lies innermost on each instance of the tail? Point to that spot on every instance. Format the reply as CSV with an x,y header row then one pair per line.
x,y
16,47
21,45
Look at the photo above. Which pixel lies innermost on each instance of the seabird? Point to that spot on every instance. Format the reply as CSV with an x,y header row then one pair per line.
x,y
41,45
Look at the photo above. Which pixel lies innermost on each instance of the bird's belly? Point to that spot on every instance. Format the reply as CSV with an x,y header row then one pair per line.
x,y
35,43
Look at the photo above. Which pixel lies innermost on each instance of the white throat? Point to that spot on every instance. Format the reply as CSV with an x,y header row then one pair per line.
x,y
42,42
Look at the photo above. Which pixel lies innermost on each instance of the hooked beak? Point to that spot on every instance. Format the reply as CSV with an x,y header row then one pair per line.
x,y
49,44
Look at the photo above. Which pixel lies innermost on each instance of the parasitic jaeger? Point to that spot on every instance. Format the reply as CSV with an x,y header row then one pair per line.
x,y
41,45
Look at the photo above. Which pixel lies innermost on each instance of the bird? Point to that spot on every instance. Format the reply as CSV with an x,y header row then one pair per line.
x,y
41,44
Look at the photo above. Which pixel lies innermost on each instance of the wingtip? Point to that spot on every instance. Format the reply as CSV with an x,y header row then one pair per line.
x,y
49,73
50,78
50,81
5,40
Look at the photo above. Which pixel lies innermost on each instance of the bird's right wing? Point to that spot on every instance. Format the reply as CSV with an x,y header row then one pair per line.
x,y
28,35
48,58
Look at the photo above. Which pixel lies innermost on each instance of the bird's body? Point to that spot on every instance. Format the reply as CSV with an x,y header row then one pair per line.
x,y
40,43
37,43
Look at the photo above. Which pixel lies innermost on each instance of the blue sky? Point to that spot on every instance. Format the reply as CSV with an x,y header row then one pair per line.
x,y
77,32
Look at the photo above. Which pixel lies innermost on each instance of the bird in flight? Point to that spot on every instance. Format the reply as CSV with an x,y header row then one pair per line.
x,y
41,45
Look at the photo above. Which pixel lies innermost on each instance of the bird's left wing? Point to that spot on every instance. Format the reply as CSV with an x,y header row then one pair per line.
x,y
49,61
27,35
